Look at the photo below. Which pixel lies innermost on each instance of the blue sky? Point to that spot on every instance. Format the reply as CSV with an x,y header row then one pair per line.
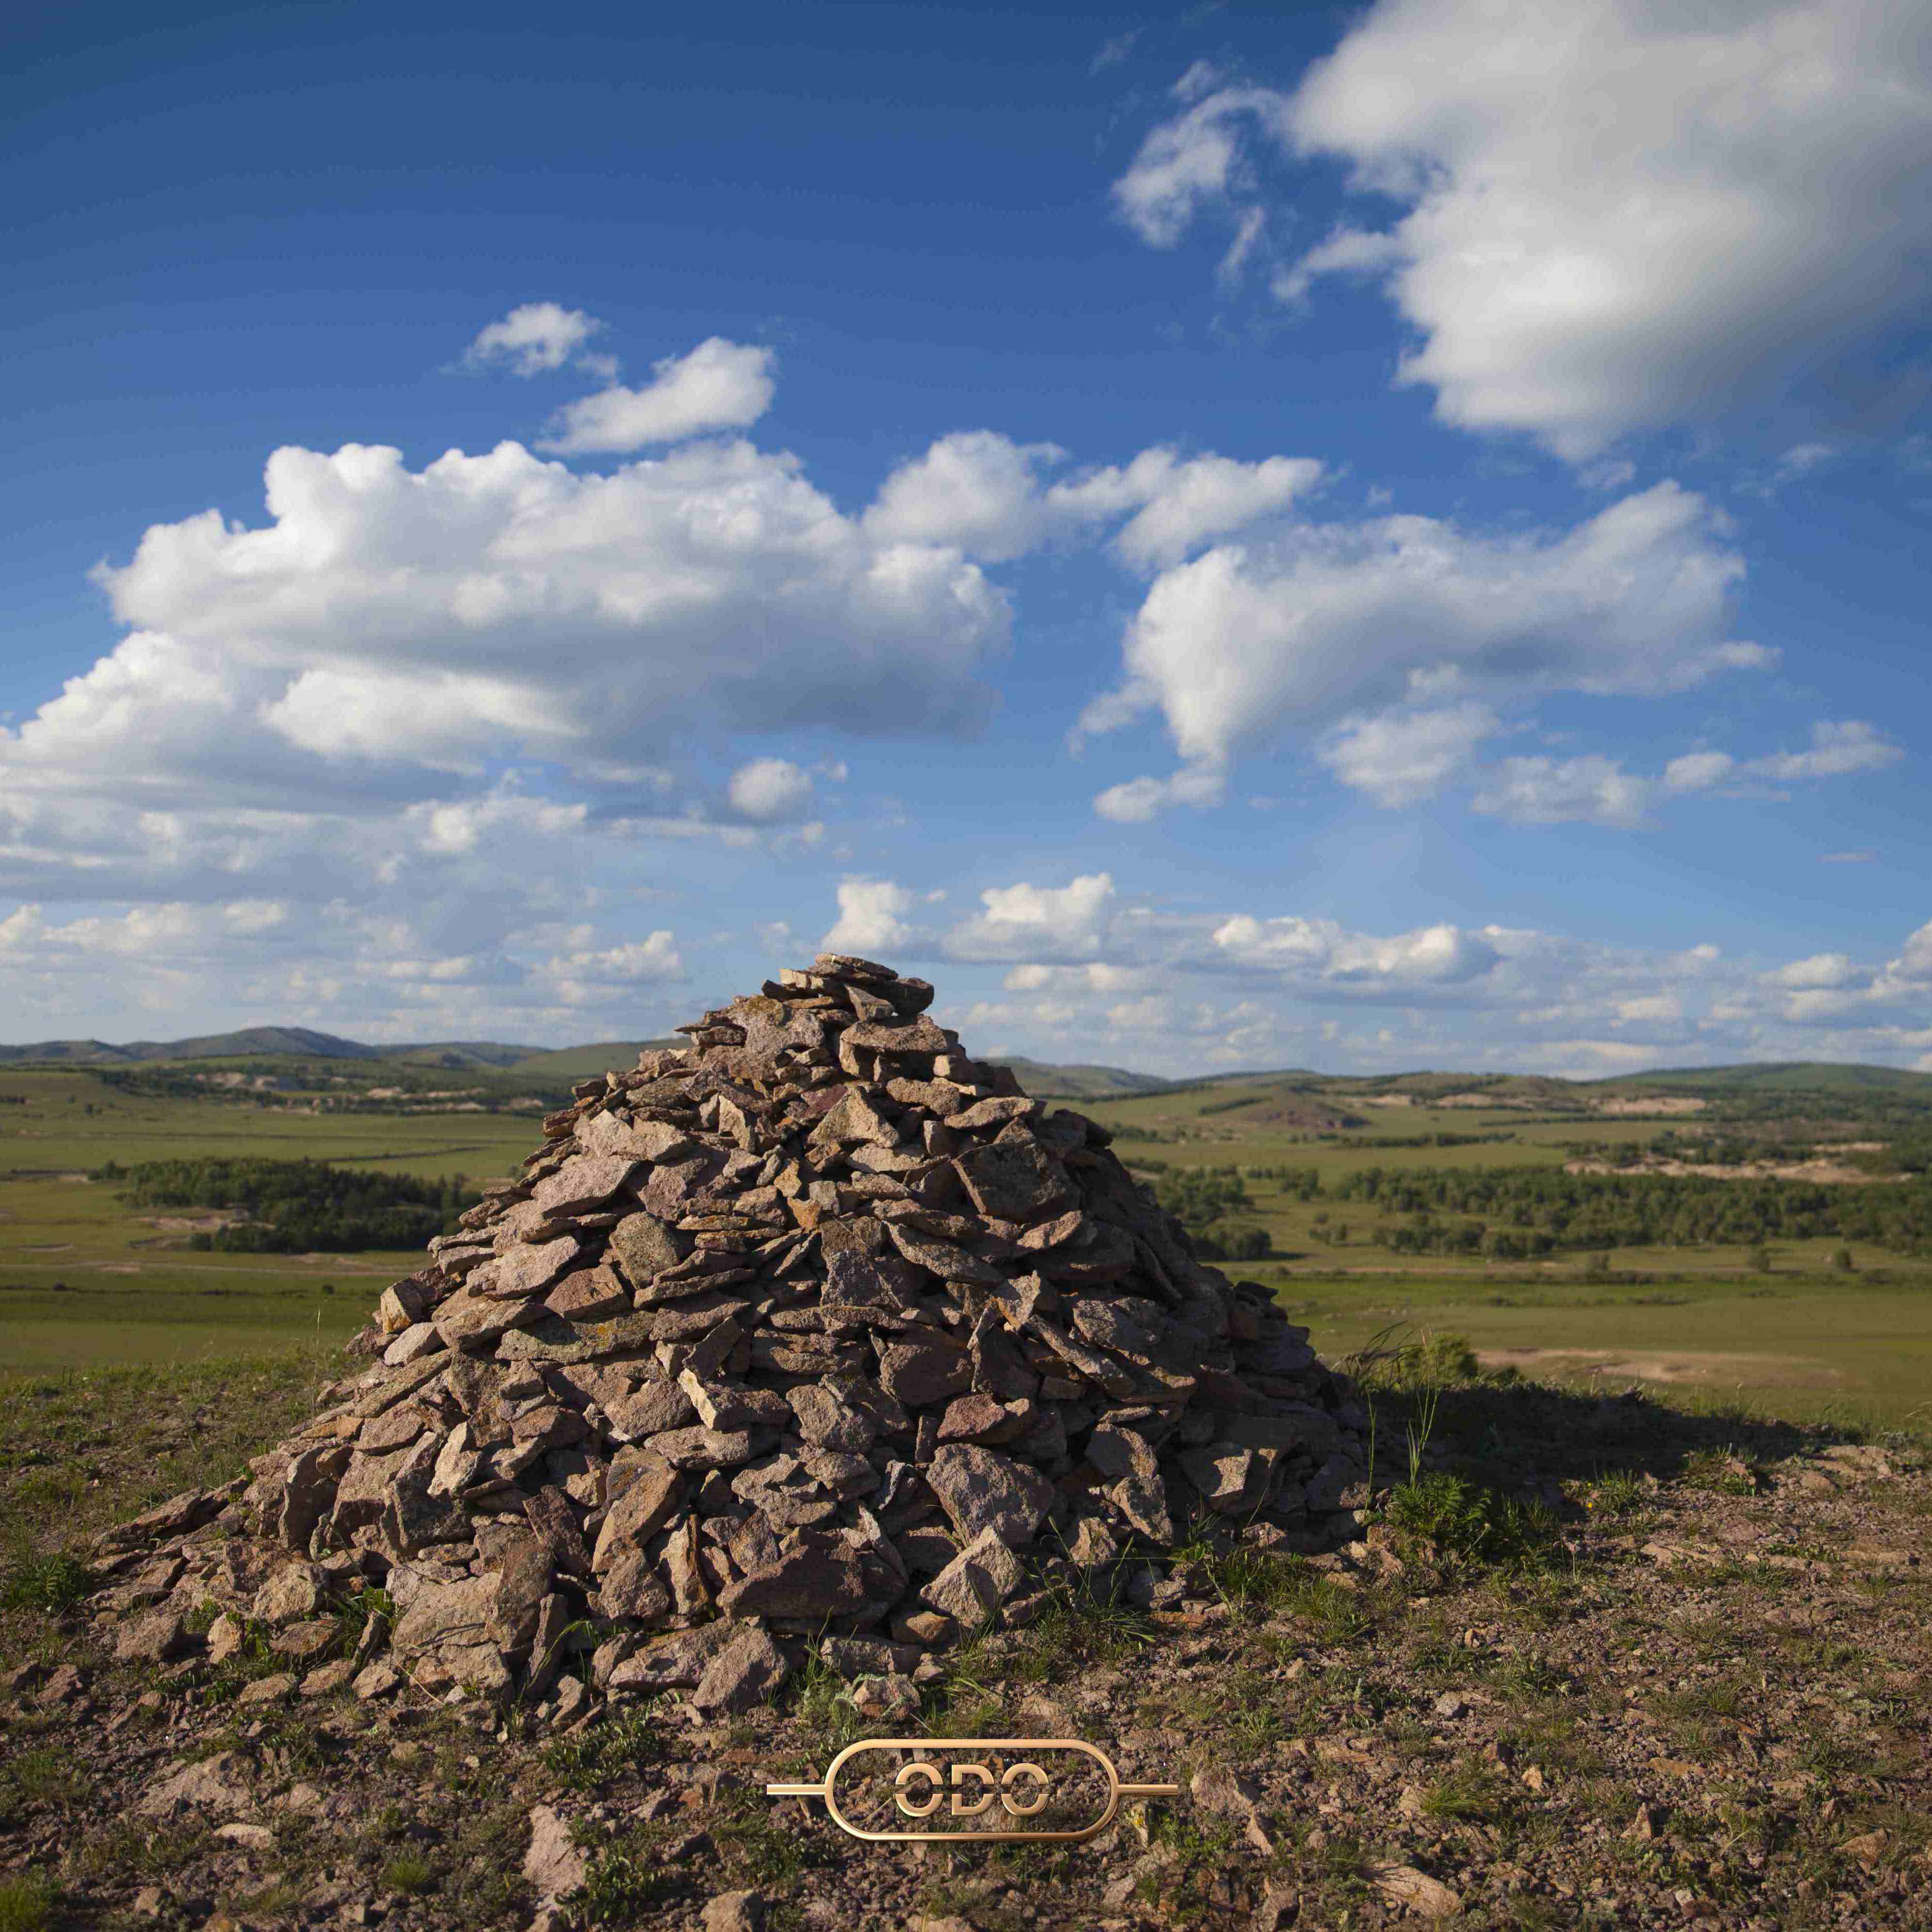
x,y
1375,539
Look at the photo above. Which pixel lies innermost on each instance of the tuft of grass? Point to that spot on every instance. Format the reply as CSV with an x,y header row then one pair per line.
x,y
49,1583
355,1614
1466,1523
1465,1794
1426,1364
1087,1622
822,1700
763,1849
586,1760
278,1896
1727,1469
1253,1579
27,1902
47,1776
408,1873
1619,1493
1310,1596
1721,1698
625,1878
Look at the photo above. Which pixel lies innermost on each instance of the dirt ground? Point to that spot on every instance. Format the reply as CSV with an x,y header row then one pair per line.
x,y
1715,1368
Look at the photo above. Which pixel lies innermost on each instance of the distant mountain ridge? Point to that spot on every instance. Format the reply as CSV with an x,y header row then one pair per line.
x,y
207,1046
1078,1081
302,1042
573,1063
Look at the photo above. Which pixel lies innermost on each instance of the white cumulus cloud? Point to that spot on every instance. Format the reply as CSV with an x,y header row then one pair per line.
x,y
983,493
1321,948
533,339
976,489
1837,750
873,918
769,788
1178,504
385,621
1552,791
1401,758
1037,923
1336,626
720,385
1618,215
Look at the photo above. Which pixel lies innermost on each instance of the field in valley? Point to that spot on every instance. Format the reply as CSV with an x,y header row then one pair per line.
x,y
1803,1338
86,1279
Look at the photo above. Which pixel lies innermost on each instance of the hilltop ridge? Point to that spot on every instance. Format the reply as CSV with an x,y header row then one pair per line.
x,y
1079,1080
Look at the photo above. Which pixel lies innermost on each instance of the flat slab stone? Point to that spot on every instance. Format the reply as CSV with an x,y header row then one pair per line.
x,y
583,1184
981,1489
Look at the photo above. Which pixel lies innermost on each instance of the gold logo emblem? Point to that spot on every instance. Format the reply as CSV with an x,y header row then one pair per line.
x,y
1001,1784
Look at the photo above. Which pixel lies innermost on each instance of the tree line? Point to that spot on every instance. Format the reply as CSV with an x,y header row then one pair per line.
x,y
1516,1213
1519,1213
297,1207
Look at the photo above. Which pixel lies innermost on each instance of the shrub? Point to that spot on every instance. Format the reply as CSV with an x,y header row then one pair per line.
x,y
26,1903
1467,1522
49,1583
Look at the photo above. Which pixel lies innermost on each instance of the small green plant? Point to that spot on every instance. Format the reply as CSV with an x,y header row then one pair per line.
x,y
758,1846
1465,1522
1721,1698
278,1895
1309,1597
1425,1362
1418,1431
356,1613
1086,1621
47,1776
822,1700
1727,1470
1245,1579
27,1902
1618,1493
623,1742
625,1878
408,1873
49,1583
1465,1794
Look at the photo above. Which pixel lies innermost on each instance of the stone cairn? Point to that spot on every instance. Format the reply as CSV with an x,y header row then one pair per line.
x,y
814,1333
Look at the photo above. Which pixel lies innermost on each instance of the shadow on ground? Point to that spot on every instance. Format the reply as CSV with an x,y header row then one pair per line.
x,y
1506,1433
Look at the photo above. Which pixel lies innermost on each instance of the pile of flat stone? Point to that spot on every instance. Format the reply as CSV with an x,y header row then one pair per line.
x,y
815,1332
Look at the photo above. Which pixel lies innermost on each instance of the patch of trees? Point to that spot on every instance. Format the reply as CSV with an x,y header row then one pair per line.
x,y
1517,1213
152,1083
297,1207
1444,1139
1202,1198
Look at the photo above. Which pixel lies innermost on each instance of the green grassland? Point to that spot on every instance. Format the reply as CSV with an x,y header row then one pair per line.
x,y
87,1280
1801,1339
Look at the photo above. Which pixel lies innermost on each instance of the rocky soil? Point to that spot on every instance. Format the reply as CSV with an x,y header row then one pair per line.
x,y
1680,1677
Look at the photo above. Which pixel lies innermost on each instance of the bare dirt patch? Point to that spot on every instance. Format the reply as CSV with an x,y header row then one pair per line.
x,y
192,1224
1832,1172
1677,1365
1656,1103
